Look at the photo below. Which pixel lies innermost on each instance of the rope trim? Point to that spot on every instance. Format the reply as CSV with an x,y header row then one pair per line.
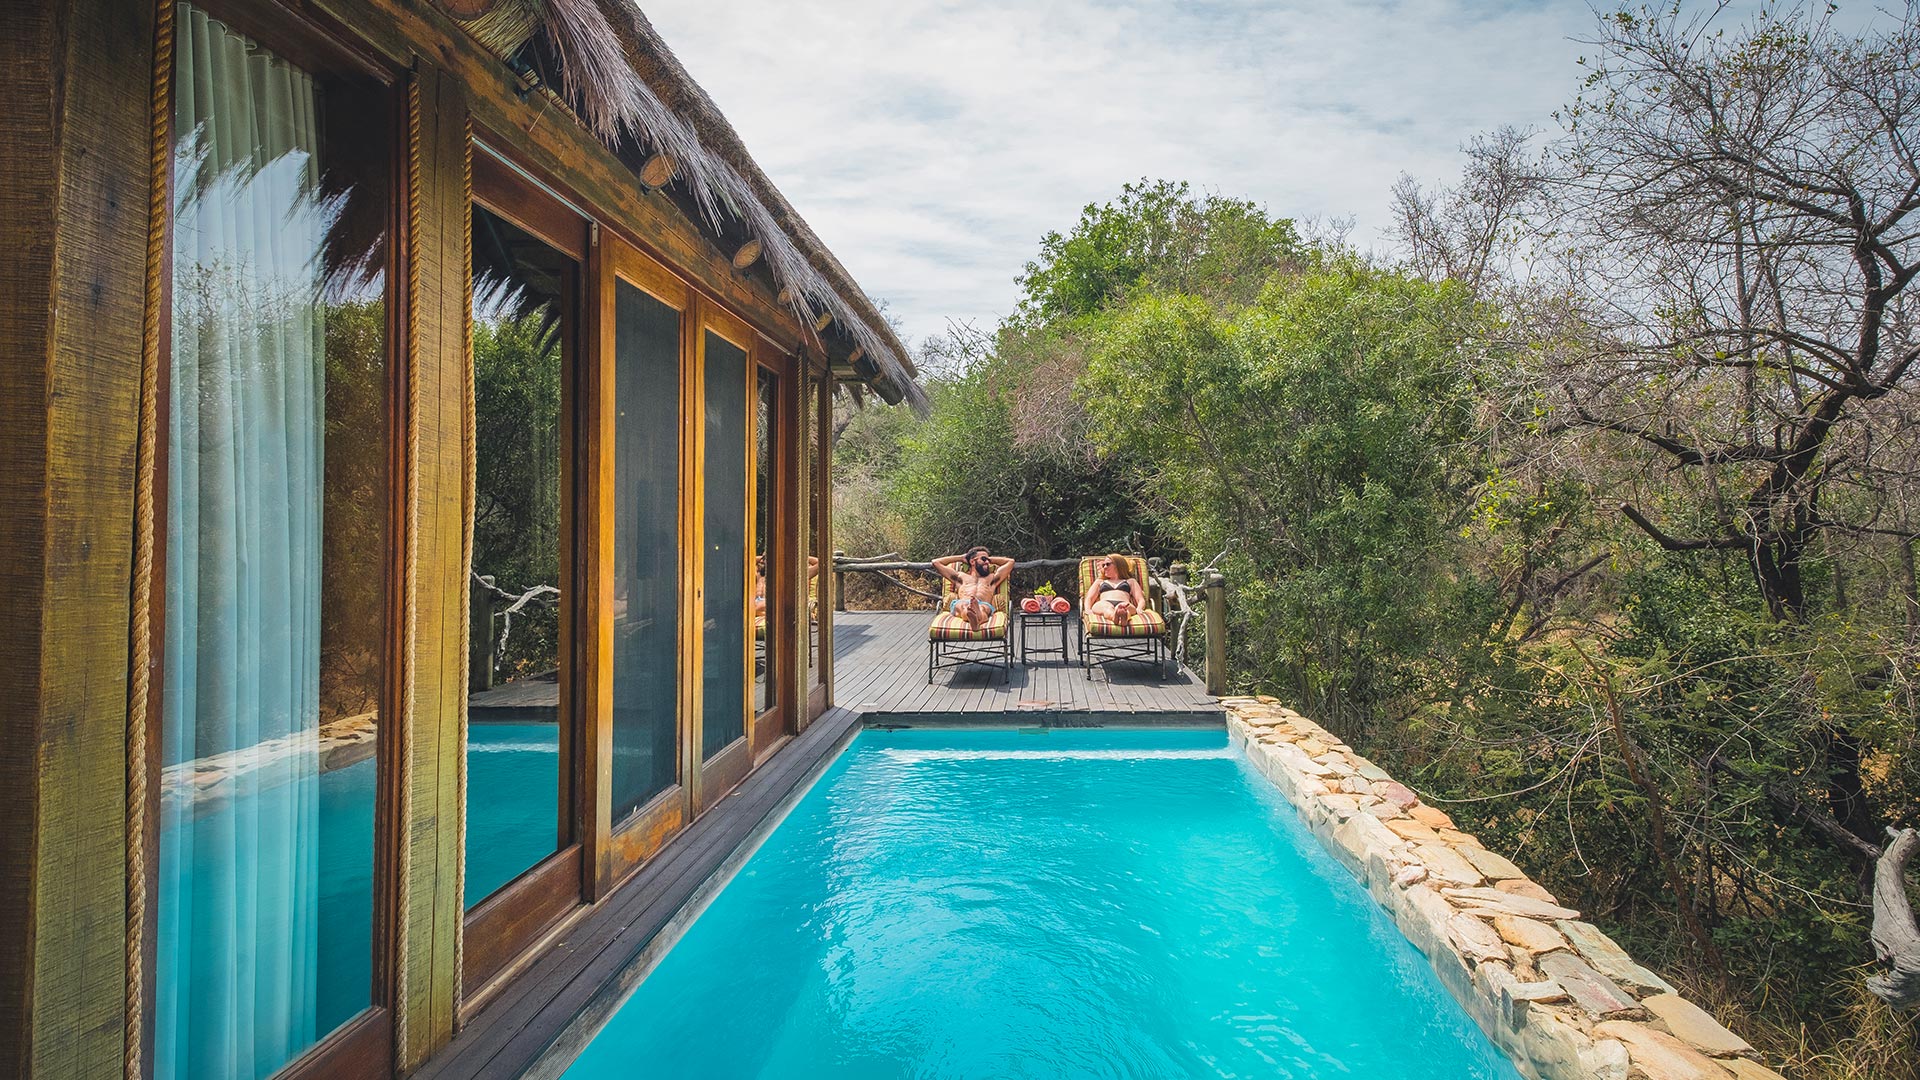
x,y
403,755
144,482
469,458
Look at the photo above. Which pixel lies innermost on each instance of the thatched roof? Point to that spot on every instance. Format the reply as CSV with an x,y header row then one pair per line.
x,y
631,91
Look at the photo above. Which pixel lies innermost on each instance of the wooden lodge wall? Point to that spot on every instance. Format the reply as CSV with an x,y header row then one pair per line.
x,y
80,324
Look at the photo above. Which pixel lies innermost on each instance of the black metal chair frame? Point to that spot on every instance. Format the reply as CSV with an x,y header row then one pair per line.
x,y
1102,651
994,652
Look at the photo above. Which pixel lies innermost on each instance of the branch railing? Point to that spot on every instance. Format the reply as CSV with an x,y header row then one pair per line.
x,y
1186,592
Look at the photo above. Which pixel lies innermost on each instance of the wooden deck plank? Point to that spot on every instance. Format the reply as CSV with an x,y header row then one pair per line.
x,y
880,660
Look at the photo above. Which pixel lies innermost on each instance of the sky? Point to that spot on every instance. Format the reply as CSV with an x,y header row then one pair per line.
x,y
931,144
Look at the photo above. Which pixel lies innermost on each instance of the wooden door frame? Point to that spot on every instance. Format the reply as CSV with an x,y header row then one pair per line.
x,y
615,850
505,925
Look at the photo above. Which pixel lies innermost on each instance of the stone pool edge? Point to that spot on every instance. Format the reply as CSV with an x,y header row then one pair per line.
x,y
1560,997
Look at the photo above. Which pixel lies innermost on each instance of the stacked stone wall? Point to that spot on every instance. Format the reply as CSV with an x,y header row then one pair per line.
x,y
1558,995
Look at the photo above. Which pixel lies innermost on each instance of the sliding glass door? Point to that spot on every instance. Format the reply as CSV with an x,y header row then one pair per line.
x,y
637,664
727,379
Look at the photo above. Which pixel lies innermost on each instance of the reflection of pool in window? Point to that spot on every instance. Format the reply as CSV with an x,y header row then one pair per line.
x,y
518,767
515,764
523,303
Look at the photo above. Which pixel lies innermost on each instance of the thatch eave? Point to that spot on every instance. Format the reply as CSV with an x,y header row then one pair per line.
x,y
630,89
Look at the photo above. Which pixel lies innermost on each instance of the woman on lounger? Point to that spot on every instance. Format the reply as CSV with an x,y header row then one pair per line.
x,y
976,577
1113,596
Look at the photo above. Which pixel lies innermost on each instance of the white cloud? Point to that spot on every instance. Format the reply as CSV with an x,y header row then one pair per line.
x,y
932,143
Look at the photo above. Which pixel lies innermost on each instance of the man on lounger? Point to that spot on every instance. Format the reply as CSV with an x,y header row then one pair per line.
x,y
976,577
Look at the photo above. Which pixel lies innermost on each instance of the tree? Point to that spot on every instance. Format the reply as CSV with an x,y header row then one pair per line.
x,y
1323,431
1157,237
1742,218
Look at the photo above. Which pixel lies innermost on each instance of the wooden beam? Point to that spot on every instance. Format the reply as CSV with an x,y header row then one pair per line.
x,y
657,170
467,9
784,298
820,324
76,135
746,254
438,606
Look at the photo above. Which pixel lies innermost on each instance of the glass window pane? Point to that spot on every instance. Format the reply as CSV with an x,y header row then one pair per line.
x,y
277,555
766,635
523,294
646,548
817,508
723,637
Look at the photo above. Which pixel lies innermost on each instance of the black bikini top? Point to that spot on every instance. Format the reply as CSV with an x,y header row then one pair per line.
x,y
1124,585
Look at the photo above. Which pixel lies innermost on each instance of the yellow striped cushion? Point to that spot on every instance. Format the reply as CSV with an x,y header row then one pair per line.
x,y
950,627
1141,624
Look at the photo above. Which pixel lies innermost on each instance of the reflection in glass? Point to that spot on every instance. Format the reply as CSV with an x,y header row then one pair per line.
x,y
646,547
522,328
276,556
766,634
723,636
818,501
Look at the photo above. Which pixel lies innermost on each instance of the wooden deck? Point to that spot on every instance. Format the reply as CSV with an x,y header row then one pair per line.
x,y
880,672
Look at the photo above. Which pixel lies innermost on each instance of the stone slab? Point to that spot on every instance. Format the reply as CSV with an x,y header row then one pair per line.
x,y
1694,1026
1408,828
1495,866
1476,940
1660,1056
1526,887
1530,934
1592,991
1445,863
1499,903
1610,959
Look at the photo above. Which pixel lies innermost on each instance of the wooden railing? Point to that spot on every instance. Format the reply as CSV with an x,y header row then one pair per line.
x,y
1181,595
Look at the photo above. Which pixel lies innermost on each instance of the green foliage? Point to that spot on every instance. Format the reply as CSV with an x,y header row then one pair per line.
x,y
517,399
356,509
1324,430
1156,237
965,478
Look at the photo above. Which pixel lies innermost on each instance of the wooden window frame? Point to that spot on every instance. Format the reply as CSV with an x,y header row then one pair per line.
x,y
819,393
715,774
362,1045
785,573
505,926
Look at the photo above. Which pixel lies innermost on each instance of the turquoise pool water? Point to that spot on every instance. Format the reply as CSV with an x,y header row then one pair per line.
x,y
959,904
513,802
512,827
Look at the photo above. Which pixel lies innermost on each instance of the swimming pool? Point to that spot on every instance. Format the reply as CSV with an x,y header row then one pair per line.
x,y
1075,903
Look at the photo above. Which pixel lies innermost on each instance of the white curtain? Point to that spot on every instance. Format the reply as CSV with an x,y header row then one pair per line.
x,y
238,921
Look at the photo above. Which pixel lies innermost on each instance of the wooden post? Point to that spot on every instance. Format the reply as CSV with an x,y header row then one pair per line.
x,y
1215,588
839,582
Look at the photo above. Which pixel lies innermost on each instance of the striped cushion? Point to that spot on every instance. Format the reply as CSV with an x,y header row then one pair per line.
x,y
1141,624
950,627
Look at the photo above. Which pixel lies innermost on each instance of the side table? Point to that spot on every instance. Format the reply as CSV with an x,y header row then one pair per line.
x,y
1040,622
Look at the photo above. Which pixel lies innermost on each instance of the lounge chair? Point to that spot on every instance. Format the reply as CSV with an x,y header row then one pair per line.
x,y
951,642
1142,637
